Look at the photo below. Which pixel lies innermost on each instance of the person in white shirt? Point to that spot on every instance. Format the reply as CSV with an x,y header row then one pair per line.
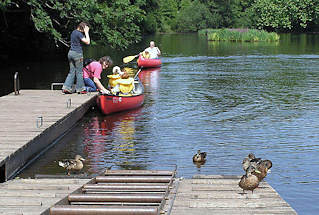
x,y
153,50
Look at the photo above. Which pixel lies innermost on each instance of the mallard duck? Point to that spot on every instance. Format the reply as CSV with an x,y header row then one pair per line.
x,y
249,181
246,161
200,157
72,164
250,160
263,167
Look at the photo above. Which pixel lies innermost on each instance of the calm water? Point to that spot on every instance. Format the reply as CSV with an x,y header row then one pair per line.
x,y
227,99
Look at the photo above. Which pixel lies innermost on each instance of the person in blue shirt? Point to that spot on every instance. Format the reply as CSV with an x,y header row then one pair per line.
x,y
75,57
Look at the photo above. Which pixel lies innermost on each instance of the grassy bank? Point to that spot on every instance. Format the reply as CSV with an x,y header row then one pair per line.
x,y
244,35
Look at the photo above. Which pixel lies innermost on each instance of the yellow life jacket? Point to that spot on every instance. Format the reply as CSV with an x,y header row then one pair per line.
x,y
146,55
112,80
126,85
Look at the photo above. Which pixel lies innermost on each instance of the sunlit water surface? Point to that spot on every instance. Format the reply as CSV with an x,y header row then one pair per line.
x,y
228,99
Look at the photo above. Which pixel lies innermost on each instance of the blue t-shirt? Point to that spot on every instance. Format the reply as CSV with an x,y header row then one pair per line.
x,y
76,37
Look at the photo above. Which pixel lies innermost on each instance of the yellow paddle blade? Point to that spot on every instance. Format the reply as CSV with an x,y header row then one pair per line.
x,y
129,58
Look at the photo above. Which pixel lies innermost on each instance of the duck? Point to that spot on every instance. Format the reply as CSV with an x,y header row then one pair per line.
x,y
75,164
263,167
246,161
249,181
200,157
108,169
250,160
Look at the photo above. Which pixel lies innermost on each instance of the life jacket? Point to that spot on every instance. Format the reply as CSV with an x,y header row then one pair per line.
x,y
146,55
126,85
112,79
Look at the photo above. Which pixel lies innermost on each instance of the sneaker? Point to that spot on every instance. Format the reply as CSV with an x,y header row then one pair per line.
x,y
66,92
82,92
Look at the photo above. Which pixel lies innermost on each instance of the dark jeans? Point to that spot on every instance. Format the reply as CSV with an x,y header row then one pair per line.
x,y
90,85
76,66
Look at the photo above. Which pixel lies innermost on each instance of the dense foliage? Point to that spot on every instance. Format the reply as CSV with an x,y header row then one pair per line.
x,y
120,23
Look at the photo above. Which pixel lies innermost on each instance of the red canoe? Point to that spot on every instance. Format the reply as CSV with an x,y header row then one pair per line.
x,y
111,103
148,63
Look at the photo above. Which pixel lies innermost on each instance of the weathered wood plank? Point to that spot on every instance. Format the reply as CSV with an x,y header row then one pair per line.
x,y
22,201
233,211
226,195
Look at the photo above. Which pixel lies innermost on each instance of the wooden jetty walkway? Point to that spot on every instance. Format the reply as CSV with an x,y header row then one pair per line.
x,y
31,121
216,194
211,194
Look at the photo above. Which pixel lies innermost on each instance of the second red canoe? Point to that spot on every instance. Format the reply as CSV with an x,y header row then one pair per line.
x,y
148,63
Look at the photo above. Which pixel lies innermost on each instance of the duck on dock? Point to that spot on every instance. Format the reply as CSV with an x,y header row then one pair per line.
x,y
75,164
249,181
250,160
263,167
200,157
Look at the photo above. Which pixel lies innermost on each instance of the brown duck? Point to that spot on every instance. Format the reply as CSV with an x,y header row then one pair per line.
x,y
200,157
246,161
249,181
263,167
72,164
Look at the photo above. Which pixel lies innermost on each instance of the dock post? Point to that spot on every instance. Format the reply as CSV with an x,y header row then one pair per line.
x,y
16,84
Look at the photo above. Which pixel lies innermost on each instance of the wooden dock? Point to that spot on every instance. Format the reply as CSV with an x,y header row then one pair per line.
x,y
31,121
34,196
212,194
215,194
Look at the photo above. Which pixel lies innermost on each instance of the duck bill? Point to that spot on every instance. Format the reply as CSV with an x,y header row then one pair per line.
x,y
257,171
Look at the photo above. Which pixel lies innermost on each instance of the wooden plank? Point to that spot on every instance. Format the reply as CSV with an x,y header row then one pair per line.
x,y
216,177
44,181
227,195
23,201
233,211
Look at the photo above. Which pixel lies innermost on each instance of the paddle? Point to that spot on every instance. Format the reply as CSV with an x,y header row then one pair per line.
x,y
129,58
137,73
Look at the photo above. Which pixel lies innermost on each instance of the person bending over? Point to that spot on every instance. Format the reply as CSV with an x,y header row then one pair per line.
x,y
92,74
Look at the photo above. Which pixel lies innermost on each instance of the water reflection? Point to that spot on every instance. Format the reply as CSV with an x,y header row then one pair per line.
x,y
109,140
150,79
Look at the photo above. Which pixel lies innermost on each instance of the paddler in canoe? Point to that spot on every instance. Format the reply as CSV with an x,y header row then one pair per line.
x,y
151,52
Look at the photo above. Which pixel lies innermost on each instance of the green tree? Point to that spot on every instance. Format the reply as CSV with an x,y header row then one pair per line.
x,y
283,15
200,17
168,10
151,21
117,23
